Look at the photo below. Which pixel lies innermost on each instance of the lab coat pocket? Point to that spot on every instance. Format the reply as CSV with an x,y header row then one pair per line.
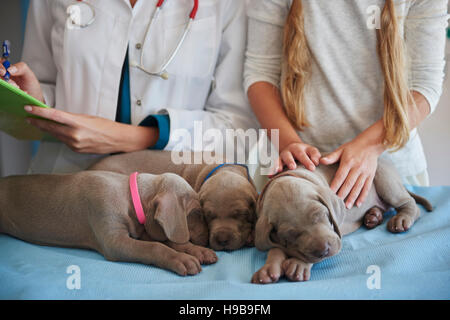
x,y
84,53
196,55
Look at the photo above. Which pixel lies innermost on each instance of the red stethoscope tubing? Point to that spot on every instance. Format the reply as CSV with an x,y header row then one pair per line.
x,y
193,12
161,2
163,73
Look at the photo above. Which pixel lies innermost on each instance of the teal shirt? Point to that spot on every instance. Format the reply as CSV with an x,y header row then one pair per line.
x,y
162,122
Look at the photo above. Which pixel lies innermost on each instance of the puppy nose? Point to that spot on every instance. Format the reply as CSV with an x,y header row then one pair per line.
x,y
323,251
223,238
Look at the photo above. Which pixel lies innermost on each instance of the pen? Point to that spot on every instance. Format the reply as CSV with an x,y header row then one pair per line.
x,y
5,54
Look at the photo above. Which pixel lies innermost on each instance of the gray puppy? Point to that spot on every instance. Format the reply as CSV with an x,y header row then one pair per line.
x,y
94,210
301,221
227,195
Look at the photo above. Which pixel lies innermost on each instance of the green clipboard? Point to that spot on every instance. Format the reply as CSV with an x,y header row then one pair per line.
x,y
13,115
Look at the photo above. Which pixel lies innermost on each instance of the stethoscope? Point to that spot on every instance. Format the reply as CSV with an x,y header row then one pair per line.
x,y
162,73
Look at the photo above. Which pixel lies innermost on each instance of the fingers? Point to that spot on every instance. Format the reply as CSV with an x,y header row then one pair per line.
x,y
352,182
365,191
288,160
349,183
13,83
3,73
306,155
340,177
61,132
52,114
314,155
276,168
2,69
332,158
280,165
304,159
356,190
19,69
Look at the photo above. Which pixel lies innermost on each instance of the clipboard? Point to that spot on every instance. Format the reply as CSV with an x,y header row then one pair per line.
x,y
13,115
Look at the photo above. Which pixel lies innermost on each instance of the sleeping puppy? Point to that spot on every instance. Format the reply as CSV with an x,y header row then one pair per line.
x,y
96,210
227,195
301,221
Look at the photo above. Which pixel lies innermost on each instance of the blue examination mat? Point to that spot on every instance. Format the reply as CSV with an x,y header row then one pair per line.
x,y
372,265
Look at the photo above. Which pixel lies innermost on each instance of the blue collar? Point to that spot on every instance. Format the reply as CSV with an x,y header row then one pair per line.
x,y
225,165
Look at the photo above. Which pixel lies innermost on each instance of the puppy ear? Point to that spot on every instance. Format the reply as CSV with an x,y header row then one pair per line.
x,y
335,206
198,228
263,229
171,217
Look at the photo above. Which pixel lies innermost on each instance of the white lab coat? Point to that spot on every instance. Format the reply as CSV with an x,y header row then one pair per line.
x,y
80,69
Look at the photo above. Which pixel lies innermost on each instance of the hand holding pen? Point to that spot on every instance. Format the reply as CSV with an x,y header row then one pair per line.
x,y
19,74
5,64
5,59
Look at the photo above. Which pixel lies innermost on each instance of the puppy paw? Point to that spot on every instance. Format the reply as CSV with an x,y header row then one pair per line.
x,y
296,270
204,255
373,218
184,264
400,223
269,273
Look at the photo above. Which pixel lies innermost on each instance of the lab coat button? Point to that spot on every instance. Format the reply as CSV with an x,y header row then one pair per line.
x,y
139,46
139,103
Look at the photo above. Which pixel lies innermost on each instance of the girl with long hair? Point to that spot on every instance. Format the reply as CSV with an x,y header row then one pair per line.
x,y
349,78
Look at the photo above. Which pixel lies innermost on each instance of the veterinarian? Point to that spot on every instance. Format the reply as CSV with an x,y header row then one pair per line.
x,y
350,78
127,75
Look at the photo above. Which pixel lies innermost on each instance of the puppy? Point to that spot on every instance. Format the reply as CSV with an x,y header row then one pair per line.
x,y
96,210
301,221
227,195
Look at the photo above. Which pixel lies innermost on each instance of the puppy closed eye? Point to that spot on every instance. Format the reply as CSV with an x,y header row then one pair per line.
x,y
209,215
290,236
244,215
317,217
285,237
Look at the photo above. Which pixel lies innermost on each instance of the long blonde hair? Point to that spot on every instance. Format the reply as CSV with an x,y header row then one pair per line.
x,y
390,45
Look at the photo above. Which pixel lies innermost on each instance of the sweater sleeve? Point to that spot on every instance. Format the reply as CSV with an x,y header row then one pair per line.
x,y
265,41
425,33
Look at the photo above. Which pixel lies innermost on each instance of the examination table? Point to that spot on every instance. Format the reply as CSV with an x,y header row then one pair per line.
x,y
373,264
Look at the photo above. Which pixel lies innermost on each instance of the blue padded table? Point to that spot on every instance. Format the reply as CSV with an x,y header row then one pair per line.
x,y
413,265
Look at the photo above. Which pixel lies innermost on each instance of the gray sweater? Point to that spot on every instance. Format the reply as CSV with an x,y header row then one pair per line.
x,y
345,94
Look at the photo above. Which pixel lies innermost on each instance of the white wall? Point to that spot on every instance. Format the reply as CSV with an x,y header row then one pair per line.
x,y
435,133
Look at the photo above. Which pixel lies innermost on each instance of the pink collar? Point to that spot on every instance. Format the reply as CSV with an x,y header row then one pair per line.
x,y
136,199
